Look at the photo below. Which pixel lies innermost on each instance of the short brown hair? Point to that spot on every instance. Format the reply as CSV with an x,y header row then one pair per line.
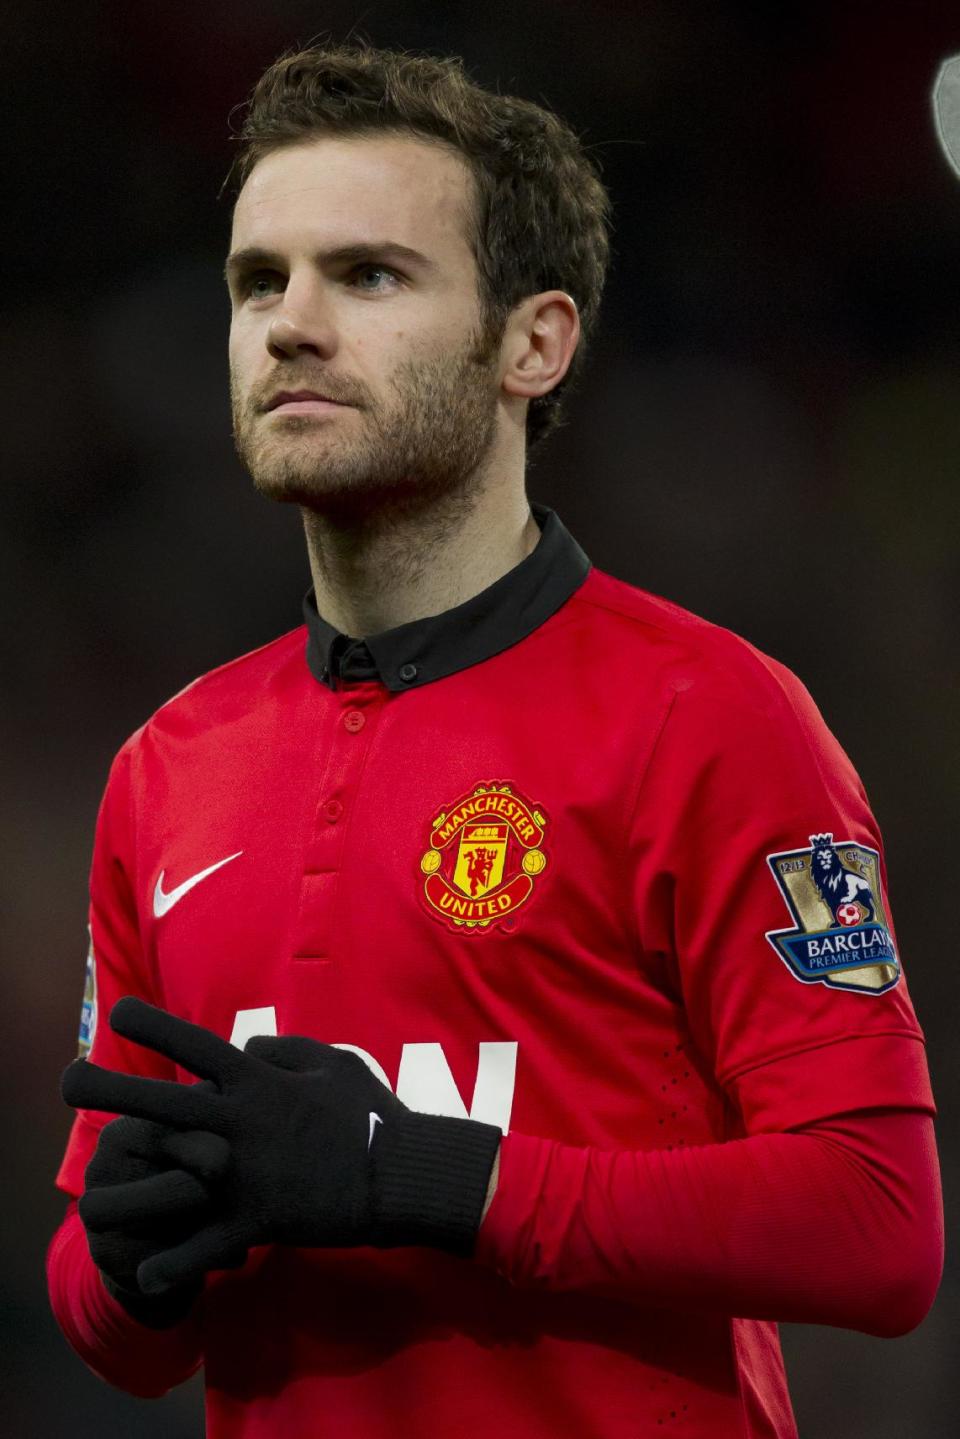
x,y
541,213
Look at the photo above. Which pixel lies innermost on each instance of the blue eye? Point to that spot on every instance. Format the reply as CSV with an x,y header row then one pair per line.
x,y
271,277
376,270
256,279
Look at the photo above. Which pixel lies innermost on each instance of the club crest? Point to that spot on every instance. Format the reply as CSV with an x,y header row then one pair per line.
x,y
840,936
88,1009
484,856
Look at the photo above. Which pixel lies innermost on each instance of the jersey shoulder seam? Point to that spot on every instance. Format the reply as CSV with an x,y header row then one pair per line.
x,y
713,635
685,617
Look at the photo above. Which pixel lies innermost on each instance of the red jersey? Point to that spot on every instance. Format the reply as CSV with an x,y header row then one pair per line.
x,y
566,859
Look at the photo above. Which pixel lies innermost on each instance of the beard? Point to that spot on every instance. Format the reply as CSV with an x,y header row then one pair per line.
x,y
369,468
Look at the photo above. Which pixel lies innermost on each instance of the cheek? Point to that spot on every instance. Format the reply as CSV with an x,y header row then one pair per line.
x,y
240,357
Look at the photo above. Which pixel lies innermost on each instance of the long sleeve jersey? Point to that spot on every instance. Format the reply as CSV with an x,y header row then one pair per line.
x,y
569,860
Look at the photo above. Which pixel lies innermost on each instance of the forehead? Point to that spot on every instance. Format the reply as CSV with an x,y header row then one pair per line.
x,y
355,188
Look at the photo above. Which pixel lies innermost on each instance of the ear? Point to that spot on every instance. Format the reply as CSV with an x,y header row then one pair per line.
x,y
542,337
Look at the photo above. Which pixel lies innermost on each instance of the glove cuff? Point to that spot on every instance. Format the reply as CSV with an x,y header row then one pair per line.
x,y
160,1311
430,1178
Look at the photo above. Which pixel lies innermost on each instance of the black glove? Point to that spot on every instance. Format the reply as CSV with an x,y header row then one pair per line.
x,y
321,1153
132,1154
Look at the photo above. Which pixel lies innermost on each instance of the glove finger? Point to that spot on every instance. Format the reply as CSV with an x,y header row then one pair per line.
x,y
131,1143
115,1168
145,1136
203,1251
125,1140
120,1255
190,1045
155,1313
203,1153
234,1258
144,1203
84,1085
289,1051
135,1136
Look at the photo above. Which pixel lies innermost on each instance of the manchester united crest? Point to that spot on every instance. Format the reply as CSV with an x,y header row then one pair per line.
x,y
484,857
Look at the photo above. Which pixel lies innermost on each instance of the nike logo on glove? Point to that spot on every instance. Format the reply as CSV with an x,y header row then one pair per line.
x,y
374,1121
164,902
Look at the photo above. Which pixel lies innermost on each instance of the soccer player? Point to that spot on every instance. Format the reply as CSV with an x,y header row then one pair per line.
x,y
494,1019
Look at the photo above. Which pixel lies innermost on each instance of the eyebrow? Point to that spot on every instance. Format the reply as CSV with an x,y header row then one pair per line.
x,y
255,256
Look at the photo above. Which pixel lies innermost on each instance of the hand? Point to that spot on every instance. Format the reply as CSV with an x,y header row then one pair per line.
x,y
137,1155
321,1153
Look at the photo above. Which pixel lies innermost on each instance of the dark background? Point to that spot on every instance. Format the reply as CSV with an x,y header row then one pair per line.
x,y
768,434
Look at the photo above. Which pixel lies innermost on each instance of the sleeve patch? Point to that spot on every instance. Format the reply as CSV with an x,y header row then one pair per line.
x,y
840,936
88,1009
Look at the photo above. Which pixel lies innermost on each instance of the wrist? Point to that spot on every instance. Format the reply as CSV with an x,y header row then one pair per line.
x,y
431,1178
492,1185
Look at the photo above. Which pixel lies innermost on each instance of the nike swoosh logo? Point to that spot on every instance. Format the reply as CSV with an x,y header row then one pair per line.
x,y
374,1121
164,902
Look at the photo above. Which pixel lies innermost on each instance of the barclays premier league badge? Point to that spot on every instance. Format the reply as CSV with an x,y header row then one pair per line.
x,y
840,936
88,1009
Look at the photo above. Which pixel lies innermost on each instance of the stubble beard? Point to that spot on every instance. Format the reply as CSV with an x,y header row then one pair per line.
x,y
369,468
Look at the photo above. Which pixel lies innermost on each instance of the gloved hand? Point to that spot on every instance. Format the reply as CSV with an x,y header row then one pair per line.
x,y
321,1153
132,1154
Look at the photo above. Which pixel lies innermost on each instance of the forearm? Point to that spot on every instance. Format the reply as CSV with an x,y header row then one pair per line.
x,y
840,1223
142,1361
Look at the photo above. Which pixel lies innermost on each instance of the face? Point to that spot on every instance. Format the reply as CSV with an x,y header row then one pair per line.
x,y
394,339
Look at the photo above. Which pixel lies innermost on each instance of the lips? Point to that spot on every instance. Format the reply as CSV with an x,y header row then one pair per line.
x,y
286,397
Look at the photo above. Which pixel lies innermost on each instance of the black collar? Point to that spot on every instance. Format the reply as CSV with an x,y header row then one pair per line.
x,y
439,645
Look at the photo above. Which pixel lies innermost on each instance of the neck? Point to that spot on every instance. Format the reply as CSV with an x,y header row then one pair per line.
x,y
386,571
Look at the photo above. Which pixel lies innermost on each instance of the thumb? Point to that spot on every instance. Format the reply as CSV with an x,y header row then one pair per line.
x,y
215,1247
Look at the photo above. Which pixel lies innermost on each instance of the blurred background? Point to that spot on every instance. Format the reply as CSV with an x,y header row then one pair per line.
x,y
768,434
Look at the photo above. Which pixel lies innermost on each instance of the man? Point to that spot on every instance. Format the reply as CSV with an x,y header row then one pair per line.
x,y
506,1023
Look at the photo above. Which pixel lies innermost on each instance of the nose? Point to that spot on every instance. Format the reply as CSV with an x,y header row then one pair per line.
x,y
303,320
287,335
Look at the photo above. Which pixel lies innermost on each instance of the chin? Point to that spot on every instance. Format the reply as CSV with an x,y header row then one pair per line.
x,y
313,494
289,491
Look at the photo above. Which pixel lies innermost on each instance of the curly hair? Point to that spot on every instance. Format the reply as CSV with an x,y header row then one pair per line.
x,y
541,215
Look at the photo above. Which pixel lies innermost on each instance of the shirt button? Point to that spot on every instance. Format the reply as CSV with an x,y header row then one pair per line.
x,y
333,809
408,672
354,720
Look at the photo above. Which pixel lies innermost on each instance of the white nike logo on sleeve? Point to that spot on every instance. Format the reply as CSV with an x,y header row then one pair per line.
x,y
374,1121
162,902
